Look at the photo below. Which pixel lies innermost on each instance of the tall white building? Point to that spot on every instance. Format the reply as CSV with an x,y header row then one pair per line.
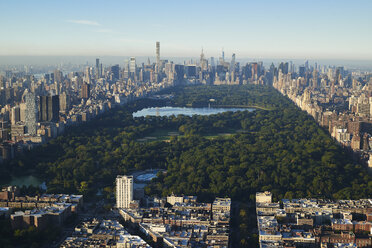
x,y
132,65
124,191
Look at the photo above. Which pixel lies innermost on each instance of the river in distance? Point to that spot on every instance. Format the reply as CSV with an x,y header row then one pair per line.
x,y
168,111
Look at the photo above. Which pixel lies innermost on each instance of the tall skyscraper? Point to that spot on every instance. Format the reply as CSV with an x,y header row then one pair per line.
x,y
213,65
315,79
15,115
64,102
49,108
98,71
124,191
203,61
58,76
158,52
232,65
87,74
115,70
22,112
53,108
132,65
158,55
43,108
31,113
126,69
85,91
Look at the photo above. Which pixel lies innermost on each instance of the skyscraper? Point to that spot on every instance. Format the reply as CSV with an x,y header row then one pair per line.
x,y
213,65
124,191
53,108
98,71
232,65
49,108
85,91
87,74
43,108
64,102
158,52
132,65
203,61
31,113
115,70
15,115
22,112
58,76
158,55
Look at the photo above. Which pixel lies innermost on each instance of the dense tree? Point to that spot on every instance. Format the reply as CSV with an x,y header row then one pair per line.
x,y
277,147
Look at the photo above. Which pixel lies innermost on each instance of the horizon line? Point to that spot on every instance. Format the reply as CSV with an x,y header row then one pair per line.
x,y
239,58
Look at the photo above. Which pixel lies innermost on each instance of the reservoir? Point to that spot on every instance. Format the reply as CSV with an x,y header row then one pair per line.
x,y
25,180
168,111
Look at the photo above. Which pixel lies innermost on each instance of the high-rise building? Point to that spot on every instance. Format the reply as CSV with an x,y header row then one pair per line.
x,y
15,115
190,71
132,65
180,73
126,69
98,71
43,109
115,70
85,91
58,76
88,74
64,102
49,108
31,114
22,112
232,65
203,62
213,65
53,108
302,71
124,191
158,54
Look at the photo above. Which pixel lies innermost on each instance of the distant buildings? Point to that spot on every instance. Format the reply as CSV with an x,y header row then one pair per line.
x,y
103,233
42,210
186,223
42,218
337,99
313,222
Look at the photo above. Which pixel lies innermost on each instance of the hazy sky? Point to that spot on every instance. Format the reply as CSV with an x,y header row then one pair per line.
x,y
336,29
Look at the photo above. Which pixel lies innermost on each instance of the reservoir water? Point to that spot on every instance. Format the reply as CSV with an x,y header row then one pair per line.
x,y
168,111
26,181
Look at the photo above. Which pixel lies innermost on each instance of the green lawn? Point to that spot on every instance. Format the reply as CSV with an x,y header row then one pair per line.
x,y
166,134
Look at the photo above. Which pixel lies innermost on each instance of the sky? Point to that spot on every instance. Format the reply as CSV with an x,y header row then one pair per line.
x,y
316,29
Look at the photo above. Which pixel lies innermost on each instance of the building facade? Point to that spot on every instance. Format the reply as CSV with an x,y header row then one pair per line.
x,y
124,191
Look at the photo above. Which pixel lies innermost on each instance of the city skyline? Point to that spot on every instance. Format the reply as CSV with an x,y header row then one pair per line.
x,y
266,29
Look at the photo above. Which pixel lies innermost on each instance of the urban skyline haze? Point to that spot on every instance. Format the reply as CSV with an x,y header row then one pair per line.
x,y
262,29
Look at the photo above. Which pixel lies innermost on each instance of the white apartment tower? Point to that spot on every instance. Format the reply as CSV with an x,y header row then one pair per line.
x,y
124,191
